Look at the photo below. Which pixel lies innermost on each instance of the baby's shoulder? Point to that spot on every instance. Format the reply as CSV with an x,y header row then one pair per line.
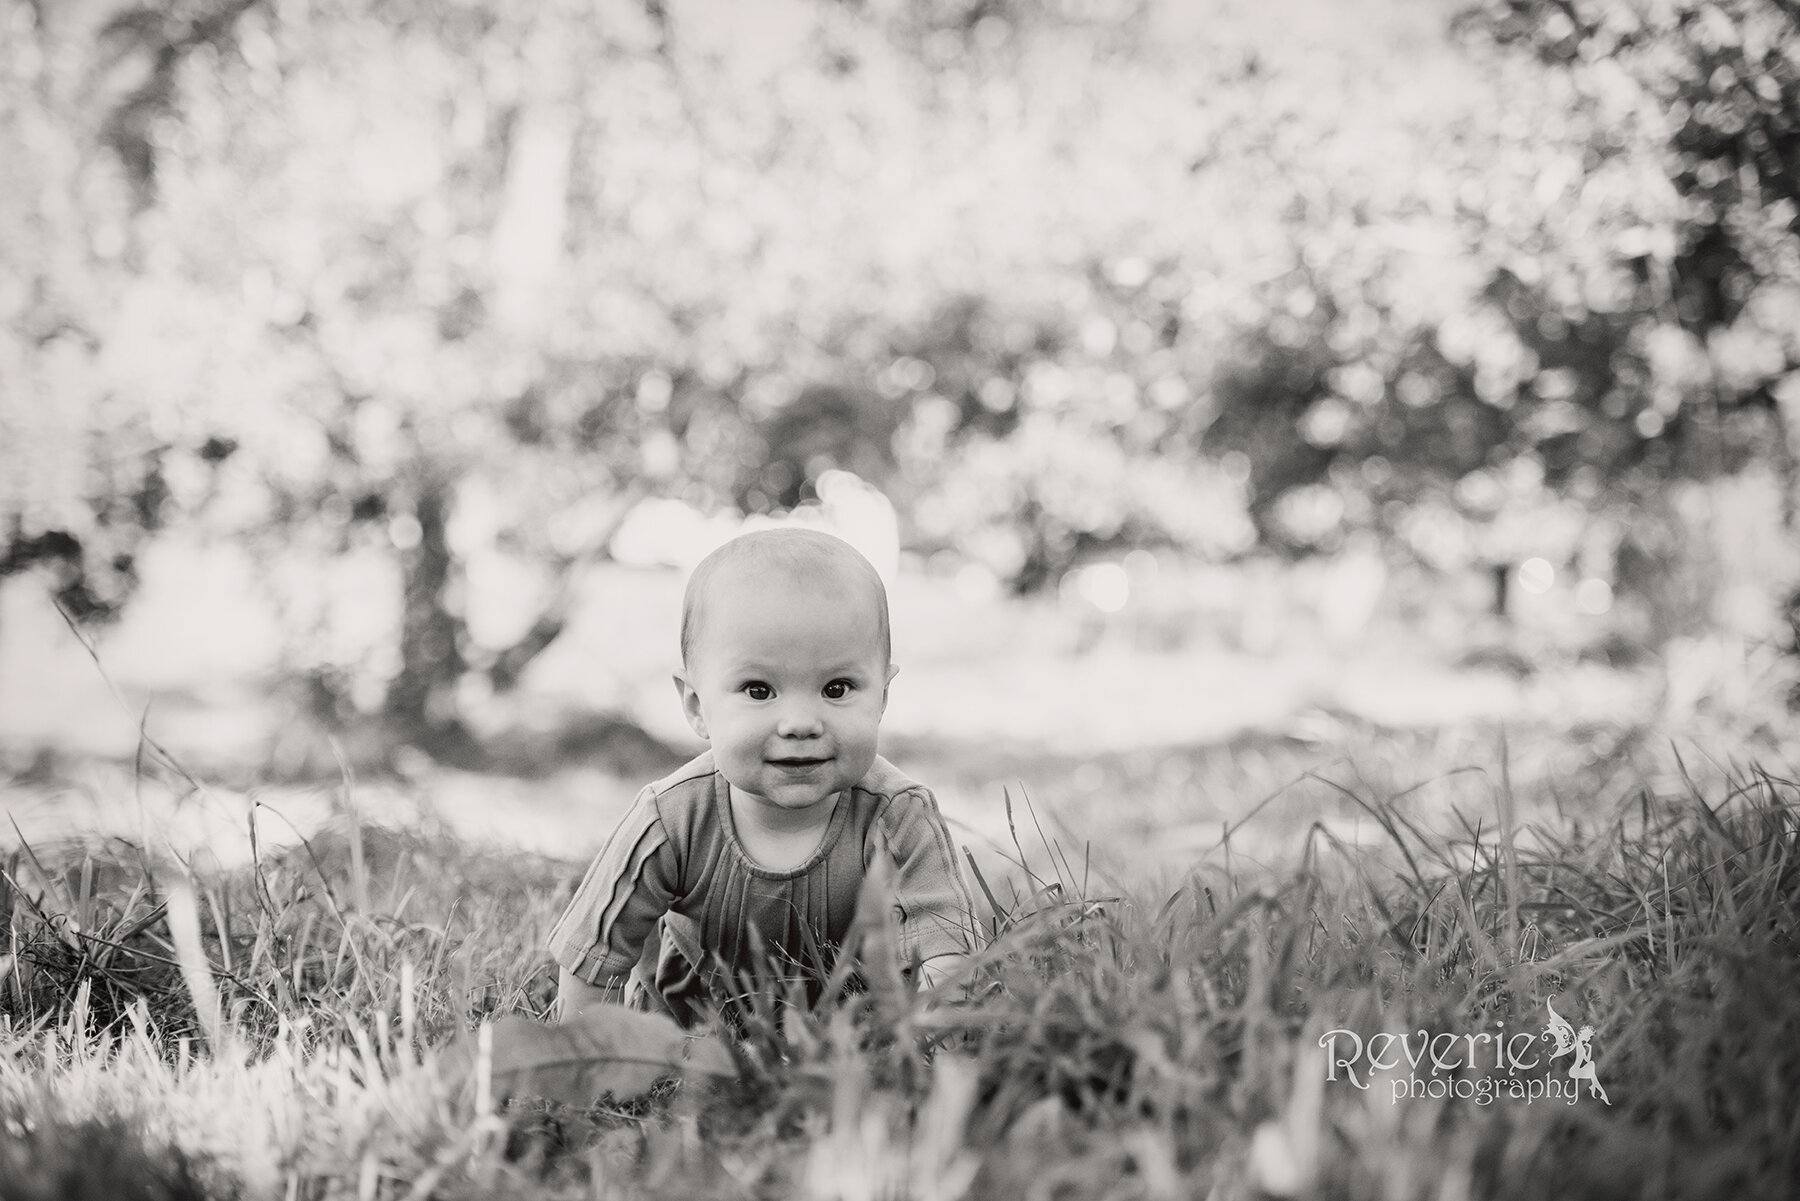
x,y
694,776
885,782
683,800
898,816
895,808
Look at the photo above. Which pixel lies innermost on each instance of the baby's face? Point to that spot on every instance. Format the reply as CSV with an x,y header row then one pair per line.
x,y
788,683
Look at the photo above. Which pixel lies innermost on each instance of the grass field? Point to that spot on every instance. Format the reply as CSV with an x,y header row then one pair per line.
x,y
282,1029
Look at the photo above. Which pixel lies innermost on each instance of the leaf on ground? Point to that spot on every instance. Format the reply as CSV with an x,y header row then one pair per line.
x,y
607,1050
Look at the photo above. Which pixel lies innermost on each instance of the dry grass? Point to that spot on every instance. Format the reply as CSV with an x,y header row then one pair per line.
x,y
1159,1045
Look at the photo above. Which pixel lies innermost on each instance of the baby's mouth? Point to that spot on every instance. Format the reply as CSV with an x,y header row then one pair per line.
x,y
799,763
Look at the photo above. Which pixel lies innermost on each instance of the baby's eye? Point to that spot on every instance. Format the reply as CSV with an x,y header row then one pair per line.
x,y
756,690
837,690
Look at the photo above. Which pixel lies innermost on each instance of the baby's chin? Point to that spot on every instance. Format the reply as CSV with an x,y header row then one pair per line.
x,y
798,787
820,779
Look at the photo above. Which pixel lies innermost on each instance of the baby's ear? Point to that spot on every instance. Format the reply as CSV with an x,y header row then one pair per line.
x,y
690,704
892,671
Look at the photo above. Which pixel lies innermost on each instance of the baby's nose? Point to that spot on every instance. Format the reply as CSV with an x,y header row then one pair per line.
x,y
800,720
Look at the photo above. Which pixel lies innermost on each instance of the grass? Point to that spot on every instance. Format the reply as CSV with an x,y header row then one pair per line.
x,y
1166,1044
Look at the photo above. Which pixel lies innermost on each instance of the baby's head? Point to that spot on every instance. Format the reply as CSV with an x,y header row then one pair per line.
x,y
805,560
785,663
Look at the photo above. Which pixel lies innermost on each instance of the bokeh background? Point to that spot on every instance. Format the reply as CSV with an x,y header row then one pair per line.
x,y
1234,395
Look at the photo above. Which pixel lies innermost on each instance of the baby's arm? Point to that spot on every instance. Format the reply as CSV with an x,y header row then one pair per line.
x,y
932,903
601,935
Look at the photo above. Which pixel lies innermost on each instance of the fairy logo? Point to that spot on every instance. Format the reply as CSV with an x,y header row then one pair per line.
x,y
1581,1043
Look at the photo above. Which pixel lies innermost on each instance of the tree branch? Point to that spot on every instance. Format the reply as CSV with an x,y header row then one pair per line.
x,y
508,665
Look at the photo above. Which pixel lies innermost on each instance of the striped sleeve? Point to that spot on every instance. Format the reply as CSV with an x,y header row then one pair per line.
x,y
931,901
631,884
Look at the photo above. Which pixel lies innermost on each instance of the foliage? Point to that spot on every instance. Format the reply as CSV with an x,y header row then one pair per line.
x,y
1710,92
1724,81
444,290
1594,362
1161,1044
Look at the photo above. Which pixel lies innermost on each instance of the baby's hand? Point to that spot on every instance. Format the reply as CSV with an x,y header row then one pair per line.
x,y
574,995
940,970
605,1050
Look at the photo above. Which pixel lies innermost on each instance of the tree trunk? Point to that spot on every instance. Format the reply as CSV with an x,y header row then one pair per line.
x,y
421,704
422,709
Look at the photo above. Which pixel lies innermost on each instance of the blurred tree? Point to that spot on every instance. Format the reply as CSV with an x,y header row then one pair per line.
x,y
423,282
442,289
1037,437
323,307
461,362
1717,87
1637,319
73,503
1723,80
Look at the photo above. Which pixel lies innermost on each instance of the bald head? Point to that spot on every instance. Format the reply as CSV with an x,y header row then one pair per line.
x,y
809,558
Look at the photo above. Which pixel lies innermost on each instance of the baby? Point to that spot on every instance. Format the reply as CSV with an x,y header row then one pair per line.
x,y
755,852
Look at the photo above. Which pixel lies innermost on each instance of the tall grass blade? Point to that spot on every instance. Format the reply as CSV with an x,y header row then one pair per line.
x,y
190,953
994,906
1509,852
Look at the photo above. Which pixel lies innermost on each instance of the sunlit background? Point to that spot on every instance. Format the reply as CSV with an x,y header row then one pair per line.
x,y
1233,394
